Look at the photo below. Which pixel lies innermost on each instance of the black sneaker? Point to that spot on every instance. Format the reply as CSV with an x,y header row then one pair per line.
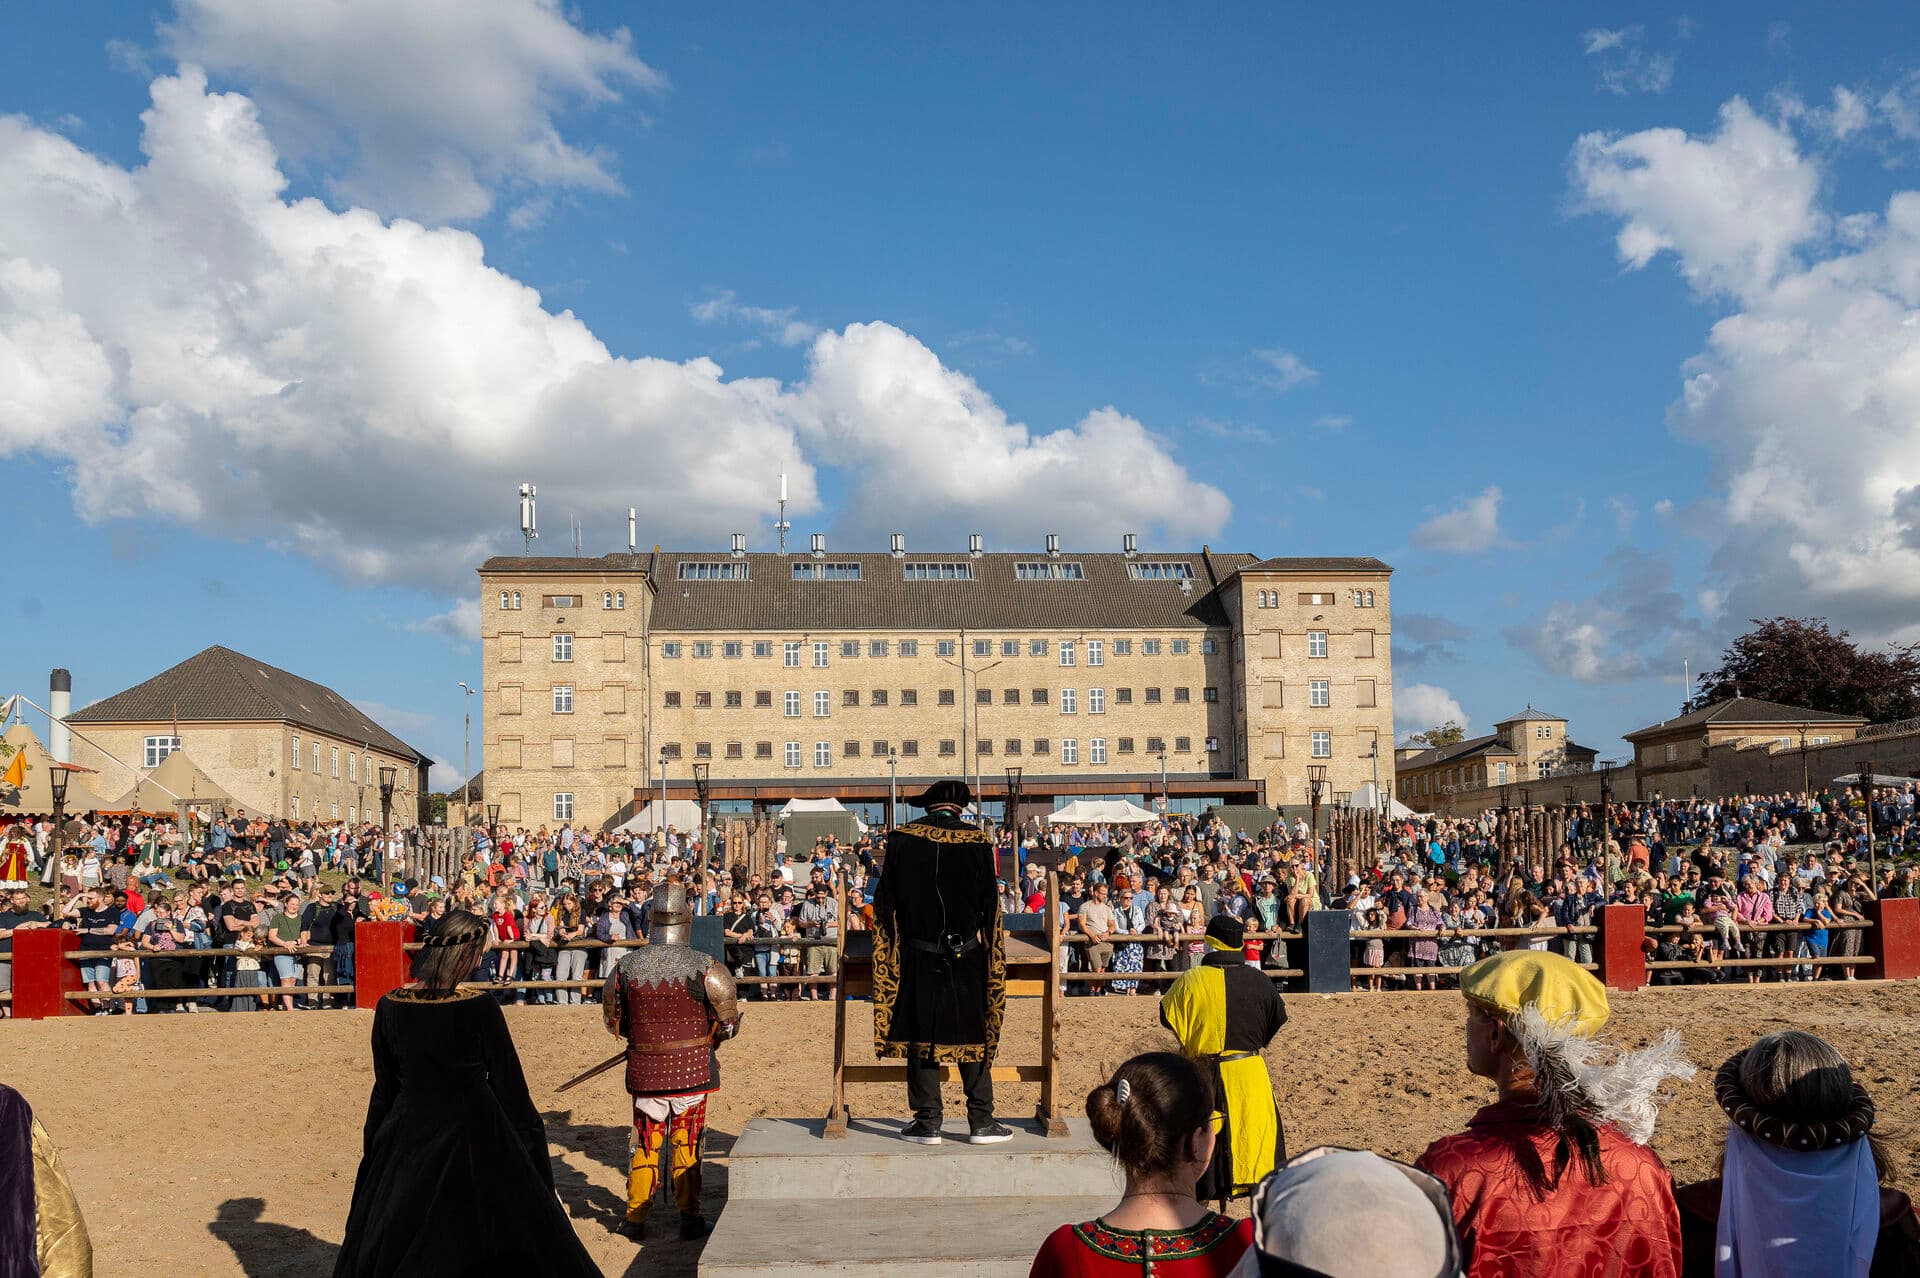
x,y
991,1132
634,1229
692,1227
921,1132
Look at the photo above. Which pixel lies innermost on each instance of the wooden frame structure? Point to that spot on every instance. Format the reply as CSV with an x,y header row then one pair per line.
x,y
1031,970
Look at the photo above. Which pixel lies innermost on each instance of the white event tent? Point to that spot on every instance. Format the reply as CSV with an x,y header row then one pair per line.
x,y
1101,812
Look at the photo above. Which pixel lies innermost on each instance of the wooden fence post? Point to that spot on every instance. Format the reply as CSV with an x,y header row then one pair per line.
x,y
43,975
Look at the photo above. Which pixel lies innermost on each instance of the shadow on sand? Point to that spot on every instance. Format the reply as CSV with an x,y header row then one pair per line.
x,y
267,1250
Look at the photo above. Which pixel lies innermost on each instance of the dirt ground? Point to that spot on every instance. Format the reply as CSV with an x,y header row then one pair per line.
x,y
226,1144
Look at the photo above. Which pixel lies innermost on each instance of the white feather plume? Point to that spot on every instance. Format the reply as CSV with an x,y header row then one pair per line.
x,y
1607,1086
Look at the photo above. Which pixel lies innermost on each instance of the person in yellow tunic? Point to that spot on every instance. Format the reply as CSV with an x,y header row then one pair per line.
x,y
1225,1013
41,1229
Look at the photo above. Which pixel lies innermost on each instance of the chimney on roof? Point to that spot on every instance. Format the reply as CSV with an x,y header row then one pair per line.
x,y
633,529
819,545
899,545
973,545
60,704
739,545
1129,545
1053,545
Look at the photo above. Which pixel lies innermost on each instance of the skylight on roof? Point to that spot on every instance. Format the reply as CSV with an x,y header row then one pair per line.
x,y
820,570
942,571
1049,570
712,570
1160,570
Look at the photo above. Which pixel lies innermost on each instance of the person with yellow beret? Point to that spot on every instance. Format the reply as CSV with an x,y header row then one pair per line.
x,y
1555,1177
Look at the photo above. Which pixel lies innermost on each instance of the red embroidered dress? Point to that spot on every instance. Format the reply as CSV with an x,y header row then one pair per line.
x,y
1626,1228
1093,1250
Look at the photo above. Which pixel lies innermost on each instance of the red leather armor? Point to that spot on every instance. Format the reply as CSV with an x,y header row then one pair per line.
x,y
669,1033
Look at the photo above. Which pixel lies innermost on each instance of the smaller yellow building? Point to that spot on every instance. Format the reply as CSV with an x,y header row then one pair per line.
x,y
280,745
1528,746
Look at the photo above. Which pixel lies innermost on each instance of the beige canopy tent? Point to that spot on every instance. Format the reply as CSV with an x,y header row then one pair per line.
x,y
1101,812
177,780
35,792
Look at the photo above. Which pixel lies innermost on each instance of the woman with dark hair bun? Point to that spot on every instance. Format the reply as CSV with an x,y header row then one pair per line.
x,y
1156,1117
454,1176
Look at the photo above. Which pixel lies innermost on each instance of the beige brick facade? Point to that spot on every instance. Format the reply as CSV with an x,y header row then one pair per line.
x,y
583,691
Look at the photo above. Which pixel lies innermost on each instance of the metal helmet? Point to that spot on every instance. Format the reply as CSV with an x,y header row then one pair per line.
x,y
672,915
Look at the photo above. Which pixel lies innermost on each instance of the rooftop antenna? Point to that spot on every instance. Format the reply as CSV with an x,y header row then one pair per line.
x,y
633,529
782,526
529,525
574,520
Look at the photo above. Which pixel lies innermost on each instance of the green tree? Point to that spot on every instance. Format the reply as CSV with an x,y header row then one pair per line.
x,y
1801,661
1446,734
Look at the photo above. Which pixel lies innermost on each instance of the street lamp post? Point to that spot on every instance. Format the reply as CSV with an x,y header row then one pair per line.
x,y
893,786
1317,782
660,819
975,672
700,773
58,775
1865,775
1379,799
1806,782
1165,804
1012,816
466,758
493,823
388,775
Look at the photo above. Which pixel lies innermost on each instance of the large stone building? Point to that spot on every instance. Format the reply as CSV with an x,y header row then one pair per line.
x,y
1671,758
277,743
1192,676
1529,746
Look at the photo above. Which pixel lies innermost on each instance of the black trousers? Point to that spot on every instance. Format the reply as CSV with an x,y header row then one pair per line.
x,y
923,1089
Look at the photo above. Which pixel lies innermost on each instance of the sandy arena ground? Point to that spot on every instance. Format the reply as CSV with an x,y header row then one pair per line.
x,y
139,1104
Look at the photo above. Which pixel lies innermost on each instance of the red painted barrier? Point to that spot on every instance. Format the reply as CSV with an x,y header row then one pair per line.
x,y
43,974
380,965
1622,951
1894,938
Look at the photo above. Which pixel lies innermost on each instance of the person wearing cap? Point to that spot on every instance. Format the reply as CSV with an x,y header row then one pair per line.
x,y
939,962
1802,1185
1555,1178
1350,1213
1224,1012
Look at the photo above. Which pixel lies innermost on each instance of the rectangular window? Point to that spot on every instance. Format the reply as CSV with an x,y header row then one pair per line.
x,y
158,748
1153,696
1182,694
670,750
793,754
1156,745
1123,647
670,650
822,704
762,699
316,756
1209,647
1319,692
790,654
1048,570
710,570
1068,699
983,746
820,654
1160,570
849,648
1012,745
353,766
850,697
1316,643
734,750
876,647
733,701
1124,746
946,696
1181,647
983,696
296,753
1039,696
671,700
1672,753
1149,647
1210,695
335,760
880,749
947,748
562,698
983,647
849,749
763,647
1066,652
731,649
1323,599
1010,696
791,704
1069,750
1096,653
1096,700
1123,696
763,750
703,650
1097,750
817,570
1182,744
563,647
909,749
936,572
703,749
1036,647
703,701
877,697
563,806
1322,745
909,647
1009,647
1213,745
944,647
560,601
1543,732
1040,745
909,697
1500,773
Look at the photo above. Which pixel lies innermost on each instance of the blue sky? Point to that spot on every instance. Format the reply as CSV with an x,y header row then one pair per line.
x,y
1598,324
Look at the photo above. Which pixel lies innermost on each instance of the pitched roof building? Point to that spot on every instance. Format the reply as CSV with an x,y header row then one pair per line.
x,y
1670,757
1528,746
280,744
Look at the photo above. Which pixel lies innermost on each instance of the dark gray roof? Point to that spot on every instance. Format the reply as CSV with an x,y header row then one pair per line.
x,y
1744,710
1489,744
1532,715
1332,564
221,685
1108,597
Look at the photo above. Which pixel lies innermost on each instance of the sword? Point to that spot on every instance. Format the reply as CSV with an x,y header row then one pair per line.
x,y
599,1069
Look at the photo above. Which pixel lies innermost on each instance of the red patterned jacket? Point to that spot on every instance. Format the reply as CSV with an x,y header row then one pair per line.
x,y
1626,1228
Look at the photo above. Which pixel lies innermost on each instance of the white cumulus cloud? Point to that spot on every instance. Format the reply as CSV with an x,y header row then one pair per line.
x,y
428,106
1470,527
1420,706
369,392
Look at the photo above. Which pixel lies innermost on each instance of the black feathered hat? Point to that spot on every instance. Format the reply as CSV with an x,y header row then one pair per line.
x,y
956,793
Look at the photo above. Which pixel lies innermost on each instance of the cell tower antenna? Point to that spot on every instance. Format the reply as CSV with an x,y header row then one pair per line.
x,y
529,517
782,526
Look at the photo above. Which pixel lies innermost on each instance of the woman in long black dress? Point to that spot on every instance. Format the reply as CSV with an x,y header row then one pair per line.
x,y
454,1178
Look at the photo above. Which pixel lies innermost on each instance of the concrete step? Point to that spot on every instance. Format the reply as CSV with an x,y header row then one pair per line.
x,y
787,1158
887,1237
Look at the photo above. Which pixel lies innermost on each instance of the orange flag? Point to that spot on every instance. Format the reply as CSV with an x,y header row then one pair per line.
x,y
16,773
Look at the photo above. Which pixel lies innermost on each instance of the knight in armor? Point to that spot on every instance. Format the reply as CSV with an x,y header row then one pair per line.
x,y
939,962
674,1005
